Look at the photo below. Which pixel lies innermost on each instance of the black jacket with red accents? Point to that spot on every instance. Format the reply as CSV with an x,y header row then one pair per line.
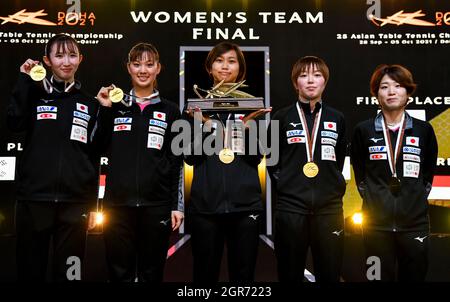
x,y
408,209
295,192
60,157
142,169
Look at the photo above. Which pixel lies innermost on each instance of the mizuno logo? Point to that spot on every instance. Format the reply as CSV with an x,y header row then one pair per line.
x,y
375,140
338,233
165,222
295,124
418,238
253,216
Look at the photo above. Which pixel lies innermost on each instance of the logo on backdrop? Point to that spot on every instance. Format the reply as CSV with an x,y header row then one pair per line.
x,y
404,18
72,17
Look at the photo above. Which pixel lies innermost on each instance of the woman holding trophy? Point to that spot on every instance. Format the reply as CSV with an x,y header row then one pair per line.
x,y
225,205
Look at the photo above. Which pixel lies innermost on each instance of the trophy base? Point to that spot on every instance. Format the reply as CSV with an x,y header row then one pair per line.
x,y
226,104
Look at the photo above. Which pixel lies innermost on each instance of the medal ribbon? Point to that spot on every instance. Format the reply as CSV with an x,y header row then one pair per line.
x,y
310,143
393,157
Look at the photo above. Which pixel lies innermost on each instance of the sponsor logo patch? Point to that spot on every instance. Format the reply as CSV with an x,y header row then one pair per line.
x,y
123,120
122,127
291,133
158,123
296,140
78,134
155,141
328,153
328,141
80,122
411,169
411,150
378,156
47,109
411,157
84,116
156,130
376,149
46,116
329,134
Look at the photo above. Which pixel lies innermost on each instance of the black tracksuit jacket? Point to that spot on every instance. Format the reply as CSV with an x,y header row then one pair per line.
x,y
143,171
408,210
219,188
295,192
60,157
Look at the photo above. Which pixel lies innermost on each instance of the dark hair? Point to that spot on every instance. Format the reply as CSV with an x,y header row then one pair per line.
x,y
139,49
62,42
222,48
303,64
397,73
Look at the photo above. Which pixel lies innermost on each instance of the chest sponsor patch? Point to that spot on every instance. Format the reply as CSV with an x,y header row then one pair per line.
x,y
328,141
236,133
159,115
378,156
328,153
239,116
155,141
82,115
82,107
411,157
296,140
237,145
156,130
158,123
47,109
292,133
411,150
329,126
329,134
78,134
411,169
46,116
123,120
412,141
122,127
80,122
377,149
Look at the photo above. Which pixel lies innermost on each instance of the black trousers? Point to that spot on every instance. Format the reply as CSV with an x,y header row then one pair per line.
x,y
136,243
240,232
405,251
37,223
295,233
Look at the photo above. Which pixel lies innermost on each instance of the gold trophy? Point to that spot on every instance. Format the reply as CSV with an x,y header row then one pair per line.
x,y
225,97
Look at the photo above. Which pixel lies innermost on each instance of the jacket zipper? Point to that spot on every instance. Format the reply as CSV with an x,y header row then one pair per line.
x,y
138,153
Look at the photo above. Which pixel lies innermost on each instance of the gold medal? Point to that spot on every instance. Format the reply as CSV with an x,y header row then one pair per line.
x,y
226,156
38,73
310,170
116,95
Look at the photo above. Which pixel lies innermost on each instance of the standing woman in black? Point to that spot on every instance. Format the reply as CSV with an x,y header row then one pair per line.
x,y
141,198
225,205
57,172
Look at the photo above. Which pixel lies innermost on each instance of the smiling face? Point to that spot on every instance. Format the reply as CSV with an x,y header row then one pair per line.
x,y
144,70
225,67
310,84
391,95
64,59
